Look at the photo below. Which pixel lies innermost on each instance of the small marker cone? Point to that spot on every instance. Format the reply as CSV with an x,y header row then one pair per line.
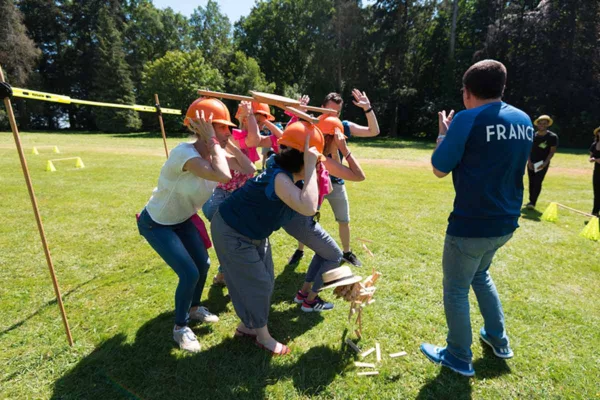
x,y
551,213
50,167
79,163
591,230
35,151
56,150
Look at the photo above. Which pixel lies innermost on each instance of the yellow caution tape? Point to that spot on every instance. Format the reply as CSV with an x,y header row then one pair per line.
x,y
57,98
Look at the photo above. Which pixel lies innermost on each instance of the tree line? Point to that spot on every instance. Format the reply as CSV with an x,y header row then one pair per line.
x,y
408,55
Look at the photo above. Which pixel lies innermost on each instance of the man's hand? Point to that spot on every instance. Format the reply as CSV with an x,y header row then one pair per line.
x,y
361,100
444,121
530,165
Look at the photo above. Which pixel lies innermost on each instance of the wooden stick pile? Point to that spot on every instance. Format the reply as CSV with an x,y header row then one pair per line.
x,y
359,294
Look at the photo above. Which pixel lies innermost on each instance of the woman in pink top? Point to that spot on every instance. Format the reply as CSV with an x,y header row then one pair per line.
x,y
247,138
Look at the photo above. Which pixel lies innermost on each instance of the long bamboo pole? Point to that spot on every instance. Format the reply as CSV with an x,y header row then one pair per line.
x,y
36,211
162,125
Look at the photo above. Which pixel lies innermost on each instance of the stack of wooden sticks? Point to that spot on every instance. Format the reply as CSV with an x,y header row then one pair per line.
x,y
359,294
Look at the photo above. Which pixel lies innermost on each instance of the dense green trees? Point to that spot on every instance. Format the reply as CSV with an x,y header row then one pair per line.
x,y
408,55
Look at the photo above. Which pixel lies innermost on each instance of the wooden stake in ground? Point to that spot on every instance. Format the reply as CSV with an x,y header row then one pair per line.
x,y
162,125
36,211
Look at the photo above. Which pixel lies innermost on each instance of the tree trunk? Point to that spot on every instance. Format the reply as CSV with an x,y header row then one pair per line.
x,y
453,30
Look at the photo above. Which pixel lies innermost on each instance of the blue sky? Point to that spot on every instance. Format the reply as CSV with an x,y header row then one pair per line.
x,y
234,9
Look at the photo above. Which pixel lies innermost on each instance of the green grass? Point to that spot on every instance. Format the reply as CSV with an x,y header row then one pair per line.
x,y
119,294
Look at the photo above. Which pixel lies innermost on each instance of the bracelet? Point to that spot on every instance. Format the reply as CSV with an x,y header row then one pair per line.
x,y
348,155
440,138
369,110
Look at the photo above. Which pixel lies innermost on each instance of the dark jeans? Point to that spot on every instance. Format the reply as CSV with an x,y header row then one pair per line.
x,y
535,183
596,182
183,250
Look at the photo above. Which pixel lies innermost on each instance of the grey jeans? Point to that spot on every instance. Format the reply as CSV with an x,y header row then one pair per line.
x,y
248,269
327,253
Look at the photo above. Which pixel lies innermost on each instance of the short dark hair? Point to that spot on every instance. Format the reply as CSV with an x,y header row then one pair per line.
x,y
335,97
485,79
290,159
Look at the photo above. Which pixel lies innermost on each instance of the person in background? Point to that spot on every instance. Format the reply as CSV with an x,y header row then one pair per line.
x,y
545,144
485,148
187,179
338,198
595,158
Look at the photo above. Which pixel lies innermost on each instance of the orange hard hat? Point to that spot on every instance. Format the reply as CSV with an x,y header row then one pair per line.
x,y
257,108
295,134
327,124
209,106
262,108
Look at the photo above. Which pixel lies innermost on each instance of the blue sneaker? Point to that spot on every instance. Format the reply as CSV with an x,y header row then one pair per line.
x,y
504,352
441,356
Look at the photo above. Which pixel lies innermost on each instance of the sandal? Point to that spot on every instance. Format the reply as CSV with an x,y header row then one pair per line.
x,y
240,334
282,352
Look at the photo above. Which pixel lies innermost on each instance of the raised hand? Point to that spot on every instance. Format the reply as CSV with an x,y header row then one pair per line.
x,y
444,121
360,99
245,109
311,154
202,126
340,141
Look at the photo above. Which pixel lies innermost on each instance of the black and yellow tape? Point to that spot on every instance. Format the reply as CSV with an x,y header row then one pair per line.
x,y
57,98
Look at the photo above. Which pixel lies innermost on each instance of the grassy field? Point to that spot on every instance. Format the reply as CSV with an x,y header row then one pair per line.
x,y
119,294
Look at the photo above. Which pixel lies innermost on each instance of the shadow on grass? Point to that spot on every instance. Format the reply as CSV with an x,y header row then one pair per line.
x,y
533,215
450,385
44,306
152,368
490,366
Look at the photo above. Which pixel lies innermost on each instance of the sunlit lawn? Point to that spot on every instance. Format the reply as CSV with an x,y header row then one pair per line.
x,y
119,294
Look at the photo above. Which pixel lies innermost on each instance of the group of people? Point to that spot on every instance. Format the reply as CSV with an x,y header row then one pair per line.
x,y
216,173
487,148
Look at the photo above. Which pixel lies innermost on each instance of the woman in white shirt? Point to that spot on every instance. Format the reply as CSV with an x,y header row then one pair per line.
x,y
186,181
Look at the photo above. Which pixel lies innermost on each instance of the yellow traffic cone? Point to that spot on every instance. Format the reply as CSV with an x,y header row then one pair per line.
x,y
35,151
50,167
79,163
591,230
56,150
551,213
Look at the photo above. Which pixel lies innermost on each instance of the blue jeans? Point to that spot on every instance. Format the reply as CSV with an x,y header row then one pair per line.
x,y
182,249
212,204
466,263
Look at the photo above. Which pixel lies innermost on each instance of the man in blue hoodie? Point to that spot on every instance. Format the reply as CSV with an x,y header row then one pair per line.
x,y
486,148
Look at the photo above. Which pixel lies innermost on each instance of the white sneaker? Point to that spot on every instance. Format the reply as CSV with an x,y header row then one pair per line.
x,y
203,315
186,339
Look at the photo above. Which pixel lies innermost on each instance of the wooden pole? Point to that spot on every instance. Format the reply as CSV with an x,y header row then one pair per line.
x,y
162,125
36,211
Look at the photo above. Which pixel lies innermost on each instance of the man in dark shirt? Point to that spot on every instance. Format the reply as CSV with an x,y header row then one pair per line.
x,y
545,144
485,148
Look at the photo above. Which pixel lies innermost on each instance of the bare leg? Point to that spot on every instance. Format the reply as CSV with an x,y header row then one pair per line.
x,y
345,235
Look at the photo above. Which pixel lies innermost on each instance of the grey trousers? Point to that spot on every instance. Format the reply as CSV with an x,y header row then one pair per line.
x,y
327,253
248,269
